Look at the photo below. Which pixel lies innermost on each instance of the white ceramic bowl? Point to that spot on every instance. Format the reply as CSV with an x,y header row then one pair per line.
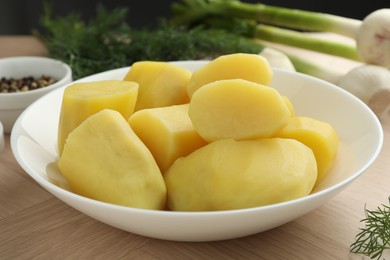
x,y
13,104
34,144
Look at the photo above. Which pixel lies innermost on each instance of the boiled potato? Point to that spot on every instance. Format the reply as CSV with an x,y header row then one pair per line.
x,y
238,109
168,133
103,159
219,138
229,174
83,99
160,83
251,67
320,136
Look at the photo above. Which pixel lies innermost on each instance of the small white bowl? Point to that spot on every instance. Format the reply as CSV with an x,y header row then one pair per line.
x,y
34,144
13,104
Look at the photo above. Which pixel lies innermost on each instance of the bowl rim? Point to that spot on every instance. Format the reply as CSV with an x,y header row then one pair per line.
x,y
65,66
338,186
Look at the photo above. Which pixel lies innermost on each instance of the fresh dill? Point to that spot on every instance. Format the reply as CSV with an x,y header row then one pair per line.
x,y
374,238
106,42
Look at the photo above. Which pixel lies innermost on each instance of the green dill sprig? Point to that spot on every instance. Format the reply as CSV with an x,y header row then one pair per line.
x,y
107,42
374,238
87,47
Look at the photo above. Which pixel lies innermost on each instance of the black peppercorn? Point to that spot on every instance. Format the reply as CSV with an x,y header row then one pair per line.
x,y
12,85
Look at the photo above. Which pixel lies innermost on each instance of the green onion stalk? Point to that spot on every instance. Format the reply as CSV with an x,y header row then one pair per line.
x,y
284,36
371,34
300,40
193,10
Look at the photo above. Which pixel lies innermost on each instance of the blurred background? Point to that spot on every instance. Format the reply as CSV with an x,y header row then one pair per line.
x,y
18,17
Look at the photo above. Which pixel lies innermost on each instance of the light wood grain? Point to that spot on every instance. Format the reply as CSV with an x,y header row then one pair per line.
x,y
36,225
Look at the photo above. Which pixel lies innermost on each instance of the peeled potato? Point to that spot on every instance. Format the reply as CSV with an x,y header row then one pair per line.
x,y
251,67
229,174
237,109
320,136
103,159
83,99
160,84
168,133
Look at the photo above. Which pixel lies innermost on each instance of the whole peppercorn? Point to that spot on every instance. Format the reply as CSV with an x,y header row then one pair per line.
x,y
12,85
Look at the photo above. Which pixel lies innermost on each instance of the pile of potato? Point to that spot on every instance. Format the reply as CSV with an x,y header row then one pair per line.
x,y
165,138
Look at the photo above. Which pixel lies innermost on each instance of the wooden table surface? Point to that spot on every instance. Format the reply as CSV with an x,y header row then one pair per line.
x,y
36,225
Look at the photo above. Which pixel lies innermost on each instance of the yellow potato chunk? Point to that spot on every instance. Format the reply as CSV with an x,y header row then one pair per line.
x,y
103,159
168,133
320,136
83,99
251,67
160,84
238,109
229,174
